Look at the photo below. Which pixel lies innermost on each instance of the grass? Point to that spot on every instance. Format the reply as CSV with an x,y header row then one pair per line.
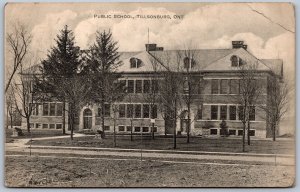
x,y
162,143
64,172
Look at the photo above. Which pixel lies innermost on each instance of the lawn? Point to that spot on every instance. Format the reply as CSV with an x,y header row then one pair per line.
x,y
34,134
162,143
76,172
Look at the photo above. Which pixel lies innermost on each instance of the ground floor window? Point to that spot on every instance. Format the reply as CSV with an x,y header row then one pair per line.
x,y
137,129
45,126
213,131
121,128
106,128
128,128
252,132
52,126
145,129
37,125
240,132
58,126
232,132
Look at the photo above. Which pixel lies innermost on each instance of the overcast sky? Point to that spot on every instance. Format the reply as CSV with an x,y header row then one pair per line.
x,y
267,28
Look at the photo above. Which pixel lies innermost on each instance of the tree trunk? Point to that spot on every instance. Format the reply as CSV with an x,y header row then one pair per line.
x,y
244,131
64,119
189,124
131,136
71,117
115,140
153,131
11,121
274,131
248,132
102,115
28,124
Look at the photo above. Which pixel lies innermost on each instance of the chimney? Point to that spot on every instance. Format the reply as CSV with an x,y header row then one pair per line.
x,y
238,44
153,47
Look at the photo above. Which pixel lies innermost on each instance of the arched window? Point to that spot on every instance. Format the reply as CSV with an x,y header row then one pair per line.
x,y
188,63
234,61
135,62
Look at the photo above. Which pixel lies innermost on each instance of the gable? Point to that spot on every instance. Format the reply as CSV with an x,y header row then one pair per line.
x,y
224,64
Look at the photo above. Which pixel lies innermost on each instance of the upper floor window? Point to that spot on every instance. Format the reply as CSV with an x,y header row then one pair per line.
x,y
214,86
135,62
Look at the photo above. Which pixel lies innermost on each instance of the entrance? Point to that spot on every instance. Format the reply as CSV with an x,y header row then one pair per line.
x,y
87,119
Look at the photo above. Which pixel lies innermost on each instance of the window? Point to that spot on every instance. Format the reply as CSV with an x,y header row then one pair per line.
x,y
106,128
232,132
214,86
252,132
129,113
37,125
59,109
223,112
241,86
52,109
234,86
234,61
121,128
154,111
31,125
199,112
123,86
52,126
130,88
137,129
58,126
154,86
146,111
128,128
146,86
188,63
45,109
34,108
145,129
45,126
232,112
224,86
135,62
99,112
240,132
106,110
137,111
122,110
241,112
214,112
138,86
252,113
154,129
214,131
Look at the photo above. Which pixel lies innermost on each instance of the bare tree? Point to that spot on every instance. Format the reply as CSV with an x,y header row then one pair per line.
x,y
277,102
18,41
10,106
250,90
25,96
170,89
76,91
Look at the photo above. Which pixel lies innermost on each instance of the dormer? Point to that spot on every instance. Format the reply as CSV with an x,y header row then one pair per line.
x,y
189,63
135,62
236,61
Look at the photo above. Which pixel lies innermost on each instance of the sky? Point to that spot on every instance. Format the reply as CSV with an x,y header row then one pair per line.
x,y
267,28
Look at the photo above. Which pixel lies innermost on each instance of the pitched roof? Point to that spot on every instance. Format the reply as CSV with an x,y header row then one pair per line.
x,y
276,65
205,59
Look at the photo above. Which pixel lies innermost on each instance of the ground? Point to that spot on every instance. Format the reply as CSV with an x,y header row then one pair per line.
x,y
76,172
56,161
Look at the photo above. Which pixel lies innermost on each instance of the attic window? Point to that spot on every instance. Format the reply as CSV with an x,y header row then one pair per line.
x,y
236,61
135,62
188,63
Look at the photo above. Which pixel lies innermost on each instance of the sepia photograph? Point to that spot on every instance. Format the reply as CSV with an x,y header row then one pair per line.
x,y
149,95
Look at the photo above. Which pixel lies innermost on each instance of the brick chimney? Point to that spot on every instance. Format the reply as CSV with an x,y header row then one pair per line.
x,y
153,47
238,44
